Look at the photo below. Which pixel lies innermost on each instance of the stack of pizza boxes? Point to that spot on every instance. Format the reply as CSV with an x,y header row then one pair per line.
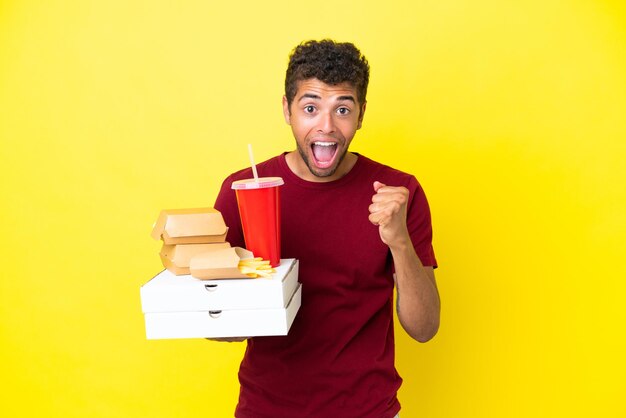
x,y
203,293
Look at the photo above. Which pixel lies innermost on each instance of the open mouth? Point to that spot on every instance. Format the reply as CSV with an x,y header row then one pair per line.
x,y
324,153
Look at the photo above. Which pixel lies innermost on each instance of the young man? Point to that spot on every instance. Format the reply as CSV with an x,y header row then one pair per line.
x,y
357,227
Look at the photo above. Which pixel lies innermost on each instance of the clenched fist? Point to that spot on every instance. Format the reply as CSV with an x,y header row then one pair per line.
x,y
388,212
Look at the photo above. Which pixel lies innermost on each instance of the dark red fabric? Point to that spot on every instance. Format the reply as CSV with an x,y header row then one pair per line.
x,y
338,359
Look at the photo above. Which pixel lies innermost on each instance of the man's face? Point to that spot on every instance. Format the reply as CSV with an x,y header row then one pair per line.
x,y
324,119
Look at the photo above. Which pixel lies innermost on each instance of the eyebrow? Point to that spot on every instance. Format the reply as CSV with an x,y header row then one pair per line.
x,y
309,96
344,98
316,97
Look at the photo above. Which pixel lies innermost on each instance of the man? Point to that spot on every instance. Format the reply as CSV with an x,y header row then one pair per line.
x,y
356,226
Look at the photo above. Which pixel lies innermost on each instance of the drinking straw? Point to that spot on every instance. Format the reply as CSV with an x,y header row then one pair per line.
x,y
256,175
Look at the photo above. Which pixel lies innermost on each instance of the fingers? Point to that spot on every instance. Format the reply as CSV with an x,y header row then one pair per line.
x,y
387,203
382,190
378,219
388,193
382,212
378,185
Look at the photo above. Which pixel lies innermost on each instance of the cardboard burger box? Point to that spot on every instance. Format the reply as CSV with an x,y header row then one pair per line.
x,y
186,307
190,226
187,233
221,263
176,258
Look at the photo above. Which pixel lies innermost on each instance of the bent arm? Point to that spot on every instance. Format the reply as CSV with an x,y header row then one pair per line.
x,y
418,299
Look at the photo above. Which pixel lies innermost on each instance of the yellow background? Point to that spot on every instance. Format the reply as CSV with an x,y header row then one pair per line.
x,y
512,114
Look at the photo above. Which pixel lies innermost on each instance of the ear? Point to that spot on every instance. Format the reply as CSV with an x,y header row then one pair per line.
x,y
361,114
286,111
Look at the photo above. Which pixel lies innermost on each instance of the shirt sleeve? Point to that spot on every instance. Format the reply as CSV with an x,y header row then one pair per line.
x,y
420,225
226,203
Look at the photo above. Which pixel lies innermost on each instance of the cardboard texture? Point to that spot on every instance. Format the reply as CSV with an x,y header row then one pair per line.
x,y
167,292
224,323
190,226
176,258
219,264
187,300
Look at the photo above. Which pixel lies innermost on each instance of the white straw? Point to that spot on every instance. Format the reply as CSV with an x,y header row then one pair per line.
x,y
256,175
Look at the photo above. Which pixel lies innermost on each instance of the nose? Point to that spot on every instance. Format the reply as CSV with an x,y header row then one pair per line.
x,y
326,123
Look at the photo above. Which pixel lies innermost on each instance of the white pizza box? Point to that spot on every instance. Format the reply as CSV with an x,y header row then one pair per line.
x,y
167,292
223,323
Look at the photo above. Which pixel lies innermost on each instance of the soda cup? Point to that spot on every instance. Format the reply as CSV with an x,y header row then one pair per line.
x,y
259,208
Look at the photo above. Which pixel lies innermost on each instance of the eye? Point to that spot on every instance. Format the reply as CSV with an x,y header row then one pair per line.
x,y
309,109
343,110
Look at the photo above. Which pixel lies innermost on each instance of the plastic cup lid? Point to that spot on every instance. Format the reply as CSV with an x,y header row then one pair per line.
x,y
262,183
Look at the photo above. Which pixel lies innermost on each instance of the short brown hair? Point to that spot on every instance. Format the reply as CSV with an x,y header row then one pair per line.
x,y
330,62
